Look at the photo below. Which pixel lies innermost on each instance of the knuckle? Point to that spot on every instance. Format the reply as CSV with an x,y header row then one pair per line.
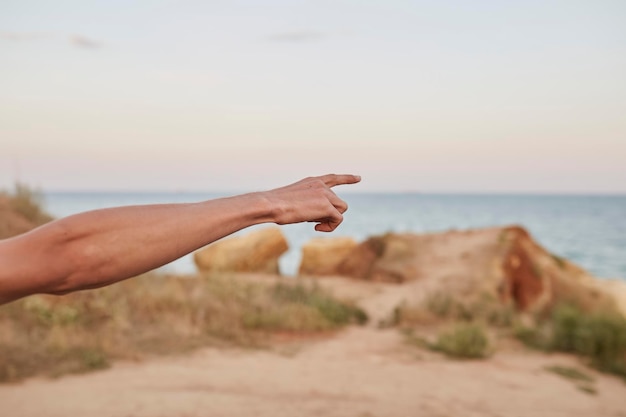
x,y
319,184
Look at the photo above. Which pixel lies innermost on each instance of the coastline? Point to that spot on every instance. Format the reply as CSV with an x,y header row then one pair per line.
x,y
583,228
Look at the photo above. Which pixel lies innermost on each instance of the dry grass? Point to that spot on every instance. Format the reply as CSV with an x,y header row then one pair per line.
x,y
28,202
463,341
155,314
438,308
599,337
461,327
20,211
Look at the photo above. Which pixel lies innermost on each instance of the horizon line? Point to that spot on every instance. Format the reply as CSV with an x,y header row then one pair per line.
x,y
415,192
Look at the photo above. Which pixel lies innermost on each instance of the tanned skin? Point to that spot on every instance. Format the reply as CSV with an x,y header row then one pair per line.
x,y
101,247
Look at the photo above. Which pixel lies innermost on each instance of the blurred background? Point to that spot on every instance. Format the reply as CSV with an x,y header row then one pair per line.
x,y
456,114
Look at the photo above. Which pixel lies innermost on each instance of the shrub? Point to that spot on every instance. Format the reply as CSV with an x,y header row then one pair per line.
x,y
465,340
337,313
566,325
599,336
301,307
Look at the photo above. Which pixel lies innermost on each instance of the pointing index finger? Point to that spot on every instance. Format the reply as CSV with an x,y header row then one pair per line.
x,y
332,180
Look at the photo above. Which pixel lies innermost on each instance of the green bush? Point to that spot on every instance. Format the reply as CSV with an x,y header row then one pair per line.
x,y
567,322
465,340
336,312
600,337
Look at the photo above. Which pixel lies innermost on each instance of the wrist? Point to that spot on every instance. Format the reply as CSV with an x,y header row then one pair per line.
x,y
262,208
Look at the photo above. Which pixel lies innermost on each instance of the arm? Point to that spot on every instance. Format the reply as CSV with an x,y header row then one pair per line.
x,y
100,247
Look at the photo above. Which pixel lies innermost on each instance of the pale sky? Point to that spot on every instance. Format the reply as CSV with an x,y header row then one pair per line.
x,y
432,96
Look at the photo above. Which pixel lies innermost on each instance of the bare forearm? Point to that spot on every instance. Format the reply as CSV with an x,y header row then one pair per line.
x,y
100,247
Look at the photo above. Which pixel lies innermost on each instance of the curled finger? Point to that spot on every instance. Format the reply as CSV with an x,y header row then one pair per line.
x,y
337,202
329,224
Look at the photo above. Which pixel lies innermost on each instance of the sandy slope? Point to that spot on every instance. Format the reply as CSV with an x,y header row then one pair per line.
x,y
358,372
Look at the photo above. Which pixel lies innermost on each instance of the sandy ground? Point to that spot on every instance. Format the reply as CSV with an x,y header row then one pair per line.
x,y
359,372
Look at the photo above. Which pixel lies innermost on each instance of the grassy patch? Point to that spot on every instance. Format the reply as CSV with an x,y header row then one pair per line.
x,y
300,307
440,306
154,314
312,296
600,337
465,340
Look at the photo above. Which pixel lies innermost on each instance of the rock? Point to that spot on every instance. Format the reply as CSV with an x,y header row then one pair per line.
x,y
257,251
534,279
502,263
388,258
321,256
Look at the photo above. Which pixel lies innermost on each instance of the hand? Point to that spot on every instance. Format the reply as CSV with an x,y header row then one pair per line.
x,y
310,200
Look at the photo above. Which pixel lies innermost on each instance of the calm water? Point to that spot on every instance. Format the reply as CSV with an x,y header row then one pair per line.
x,y
590,230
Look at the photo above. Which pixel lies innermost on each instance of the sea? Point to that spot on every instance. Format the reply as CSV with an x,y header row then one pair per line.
x,y
589,230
